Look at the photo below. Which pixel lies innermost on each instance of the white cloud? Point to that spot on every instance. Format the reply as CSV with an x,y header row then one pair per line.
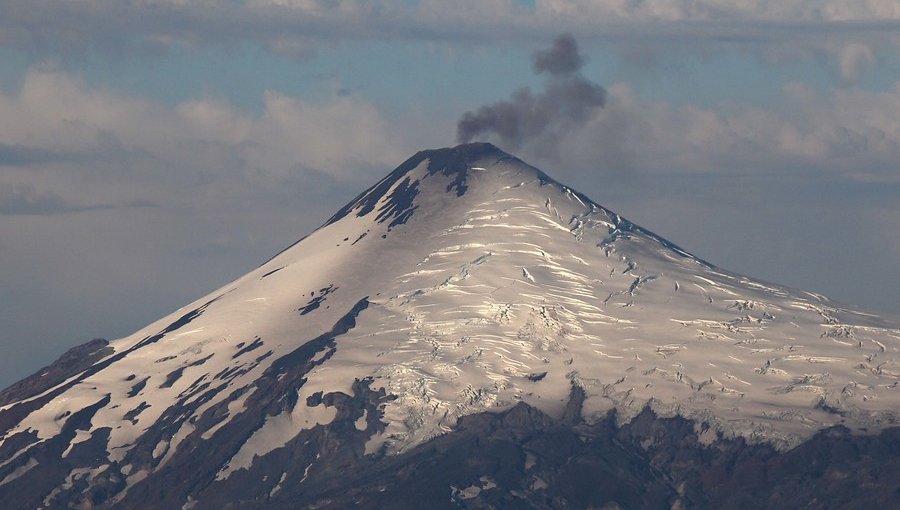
x,y
706,10
854,59
851,33
93,146
110,142
297,27
846,132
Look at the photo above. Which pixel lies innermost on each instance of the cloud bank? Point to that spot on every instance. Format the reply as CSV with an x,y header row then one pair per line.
x,y
58,133
298,27
845,133
24,200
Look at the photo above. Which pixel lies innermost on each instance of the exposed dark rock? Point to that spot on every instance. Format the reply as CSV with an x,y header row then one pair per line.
x,y
317,301
74,360
176,374
270,273
536,377
138,387
450,162
244,349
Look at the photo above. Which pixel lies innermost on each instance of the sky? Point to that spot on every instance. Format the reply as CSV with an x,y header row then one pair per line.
x,y
153,150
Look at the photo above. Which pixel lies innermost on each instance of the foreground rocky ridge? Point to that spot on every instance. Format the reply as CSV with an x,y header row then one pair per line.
x,y
518,458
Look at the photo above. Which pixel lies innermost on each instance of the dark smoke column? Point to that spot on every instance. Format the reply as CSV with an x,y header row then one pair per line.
x,y
567,102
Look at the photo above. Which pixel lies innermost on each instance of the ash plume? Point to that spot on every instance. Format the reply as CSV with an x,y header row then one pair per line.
x,y
561,59
567,102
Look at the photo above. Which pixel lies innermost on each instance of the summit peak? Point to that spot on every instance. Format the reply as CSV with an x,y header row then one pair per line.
x,y
445,171
472,151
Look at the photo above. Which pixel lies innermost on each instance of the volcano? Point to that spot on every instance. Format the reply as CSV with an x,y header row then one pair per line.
x,y
470,333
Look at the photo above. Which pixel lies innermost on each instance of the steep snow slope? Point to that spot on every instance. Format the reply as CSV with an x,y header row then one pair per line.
x,y
464,281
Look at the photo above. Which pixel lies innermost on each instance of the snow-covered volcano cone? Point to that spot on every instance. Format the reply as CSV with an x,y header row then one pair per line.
x,y
464,282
